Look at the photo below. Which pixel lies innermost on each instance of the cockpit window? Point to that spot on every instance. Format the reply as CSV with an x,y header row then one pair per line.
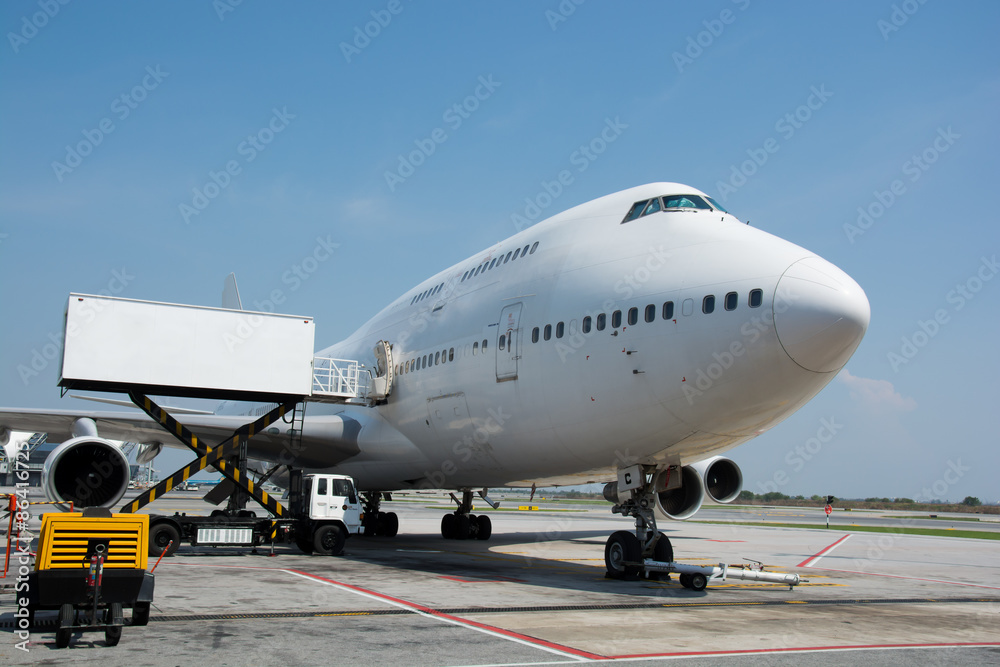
x,y
652,207
636,210
716,205
685,201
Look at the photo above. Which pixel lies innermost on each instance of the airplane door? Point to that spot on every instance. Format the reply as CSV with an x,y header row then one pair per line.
x,y
509,342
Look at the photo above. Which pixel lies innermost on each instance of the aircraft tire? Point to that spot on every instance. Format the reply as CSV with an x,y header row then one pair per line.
x,y
448,526
329,540
389,525
620,548
485,526
463,526
698,581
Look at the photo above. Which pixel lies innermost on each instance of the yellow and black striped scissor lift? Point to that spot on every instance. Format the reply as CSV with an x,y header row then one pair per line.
x,y
167,532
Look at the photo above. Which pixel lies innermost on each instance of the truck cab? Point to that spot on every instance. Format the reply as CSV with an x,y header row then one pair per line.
x,y
332,498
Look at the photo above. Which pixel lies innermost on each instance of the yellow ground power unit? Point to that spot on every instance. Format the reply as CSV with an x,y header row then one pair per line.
x,y
92,566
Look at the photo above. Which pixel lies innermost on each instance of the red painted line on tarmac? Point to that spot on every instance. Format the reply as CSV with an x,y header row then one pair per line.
x,y
527,639
456,619
901,576
808,561
804,649
725,540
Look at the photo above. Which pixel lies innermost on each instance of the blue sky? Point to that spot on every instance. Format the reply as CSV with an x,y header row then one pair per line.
x,y
117,115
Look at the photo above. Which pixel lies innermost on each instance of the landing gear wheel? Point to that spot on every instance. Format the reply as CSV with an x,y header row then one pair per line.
x,y
463,526
140,613
663,552
114,614
66,618
448,526
485,528
160,535
698,581
329,540
389,525
621,548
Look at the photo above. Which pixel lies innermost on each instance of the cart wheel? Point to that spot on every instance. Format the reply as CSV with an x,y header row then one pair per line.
x,y
113,615
66,618
698,581
140,613
685,580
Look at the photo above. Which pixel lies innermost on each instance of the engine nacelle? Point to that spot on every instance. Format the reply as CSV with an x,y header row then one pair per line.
x,y
87,471
681,501
723,478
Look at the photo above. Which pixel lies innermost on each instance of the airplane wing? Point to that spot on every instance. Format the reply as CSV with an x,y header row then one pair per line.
x,y
326,441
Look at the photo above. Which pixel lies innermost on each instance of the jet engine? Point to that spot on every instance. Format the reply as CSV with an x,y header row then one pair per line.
x,y
723,478
679,501
86,470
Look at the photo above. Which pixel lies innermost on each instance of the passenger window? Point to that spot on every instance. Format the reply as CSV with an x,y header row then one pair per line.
x,y
633,316
321,489
650,313
547,332
586,324
635,211
652,207
708,304
475,348
437,358
534,335
616,319
516,253
602,321
668,310
492,264
451,354
687,307
560,329
465,276
524,251
484,346
424,363
507,258
534,248
756,298
444,356
503,342
478,269
731,301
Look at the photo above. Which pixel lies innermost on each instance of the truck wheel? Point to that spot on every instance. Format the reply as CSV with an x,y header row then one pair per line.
x,y
66,617
304,545
329,540
114,614
140,613
390,525
160,535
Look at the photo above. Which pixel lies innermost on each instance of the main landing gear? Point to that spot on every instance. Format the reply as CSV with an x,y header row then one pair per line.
x,y
377,523
462,524
624,551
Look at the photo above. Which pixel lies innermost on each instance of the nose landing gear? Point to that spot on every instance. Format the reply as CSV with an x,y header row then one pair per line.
x,y
625,552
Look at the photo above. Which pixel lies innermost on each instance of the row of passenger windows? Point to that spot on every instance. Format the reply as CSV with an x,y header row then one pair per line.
x,y
436,358
649,314
502,259
482,268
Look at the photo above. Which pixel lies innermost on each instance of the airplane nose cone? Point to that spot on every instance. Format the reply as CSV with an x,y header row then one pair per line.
x,y
820,315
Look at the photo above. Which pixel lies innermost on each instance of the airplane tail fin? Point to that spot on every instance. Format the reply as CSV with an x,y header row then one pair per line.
x,y
231,294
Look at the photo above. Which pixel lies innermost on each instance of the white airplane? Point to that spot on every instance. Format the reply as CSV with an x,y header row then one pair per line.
x,y
629,340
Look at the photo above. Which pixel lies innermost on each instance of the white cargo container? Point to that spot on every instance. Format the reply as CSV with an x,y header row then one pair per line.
x,y
115,344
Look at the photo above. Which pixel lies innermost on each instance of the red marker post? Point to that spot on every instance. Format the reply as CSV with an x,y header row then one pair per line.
x,y
829,510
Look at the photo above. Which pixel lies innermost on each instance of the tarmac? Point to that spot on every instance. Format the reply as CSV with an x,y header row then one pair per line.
x,y
536,594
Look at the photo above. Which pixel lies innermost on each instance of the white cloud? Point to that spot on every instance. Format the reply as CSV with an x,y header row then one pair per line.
x,y
876,393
